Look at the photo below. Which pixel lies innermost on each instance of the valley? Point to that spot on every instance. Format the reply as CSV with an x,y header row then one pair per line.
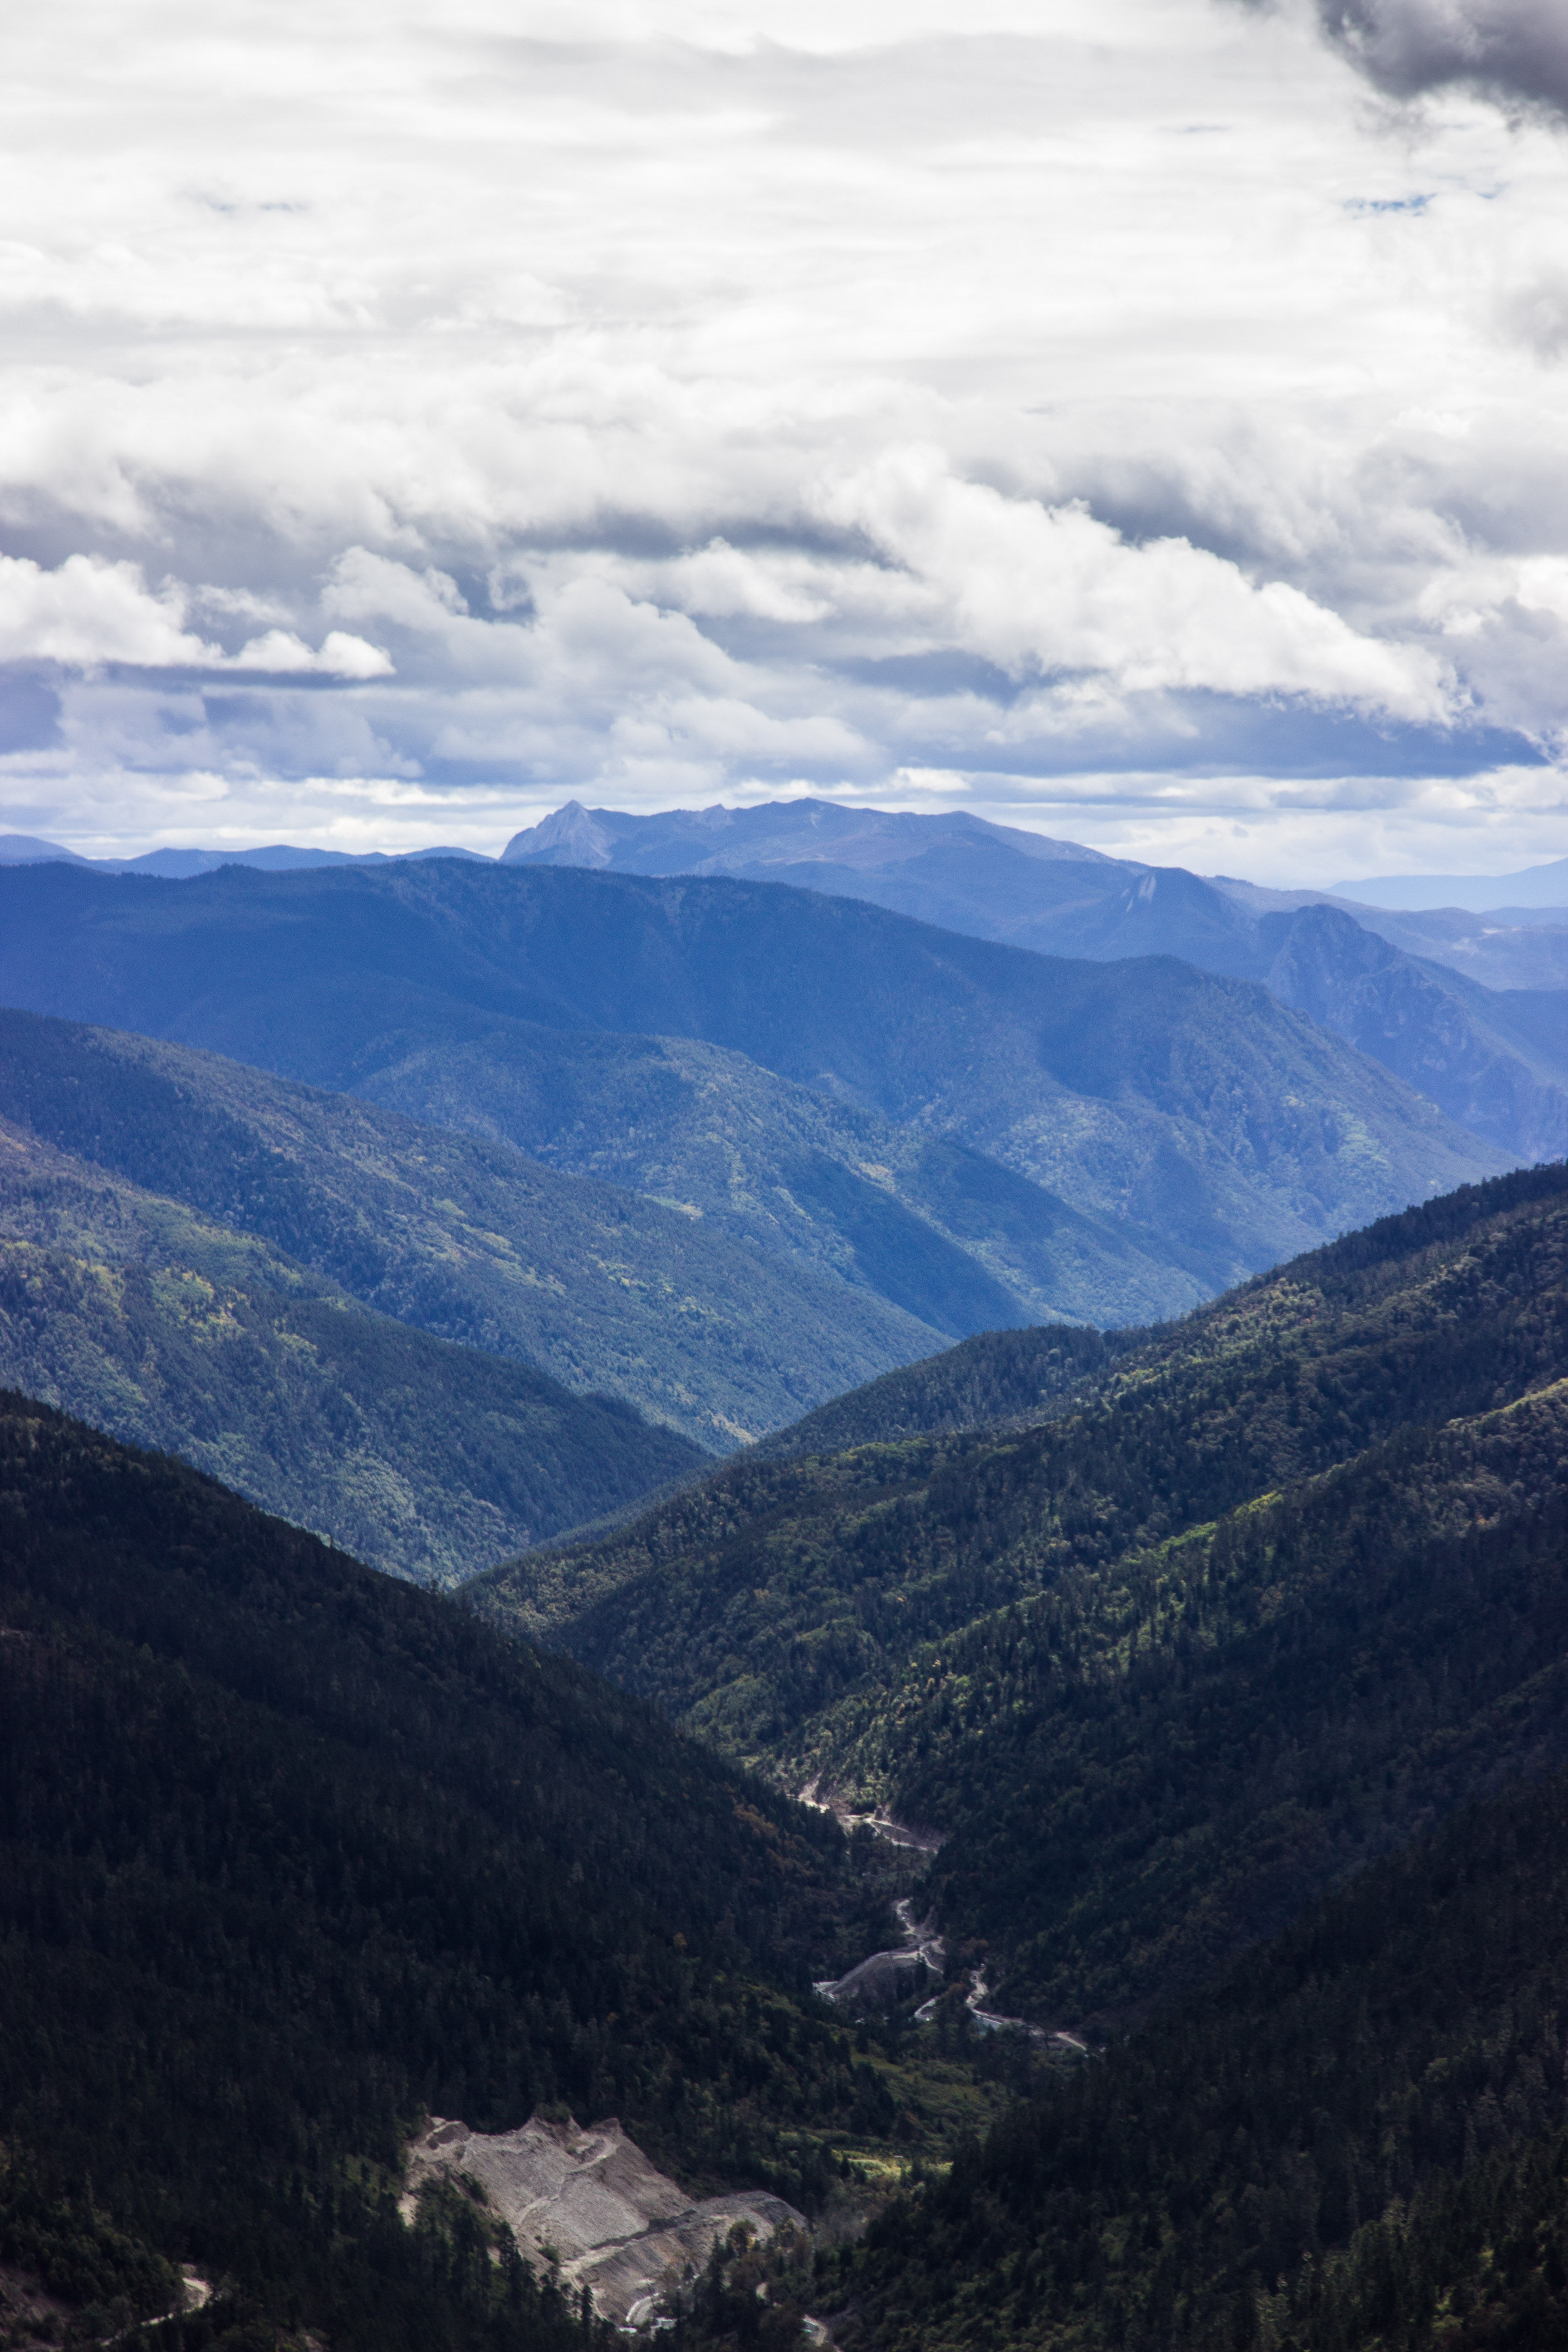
x,y
323,1857
1128,1637
1171,1712
896,1698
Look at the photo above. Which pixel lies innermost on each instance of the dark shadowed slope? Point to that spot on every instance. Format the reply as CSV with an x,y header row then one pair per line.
x,y
1224,1130
291,1855
1352,2142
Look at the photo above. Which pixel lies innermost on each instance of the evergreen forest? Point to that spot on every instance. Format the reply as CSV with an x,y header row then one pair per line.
x,y
295,1855
1230,1664
506,1603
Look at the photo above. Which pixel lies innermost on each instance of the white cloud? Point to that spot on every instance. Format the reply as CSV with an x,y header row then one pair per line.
x,y
338,656
1035,588
656,397
88,612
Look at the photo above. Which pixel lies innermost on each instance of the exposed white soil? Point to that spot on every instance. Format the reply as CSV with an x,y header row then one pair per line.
x,y
881,1823
588,2201
198,2290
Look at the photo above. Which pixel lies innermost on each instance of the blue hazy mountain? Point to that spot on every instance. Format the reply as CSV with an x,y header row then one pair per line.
x,y
1532,886
182,864
1495,1060
1166,1118
596,1286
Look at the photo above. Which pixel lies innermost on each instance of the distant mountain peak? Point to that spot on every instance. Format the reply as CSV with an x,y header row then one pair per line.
x,y
1534,886
571,835
26,849
773,833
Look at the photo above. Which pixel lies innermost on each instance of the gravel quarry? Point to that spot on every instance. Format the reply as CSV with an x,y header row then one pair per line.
x,y
587,2200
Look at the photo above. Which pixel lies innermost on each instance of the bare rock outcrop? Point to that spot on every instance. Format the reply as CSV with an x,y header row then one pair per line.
x,y
587,2199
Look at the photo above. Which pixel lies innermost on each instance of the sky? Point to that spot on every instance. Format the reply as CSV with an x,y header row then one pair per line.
x,y
1139,420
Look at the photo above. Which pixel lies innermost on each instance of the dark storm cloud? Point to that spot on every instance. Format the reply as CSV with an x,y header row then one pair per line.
x,y
1515,51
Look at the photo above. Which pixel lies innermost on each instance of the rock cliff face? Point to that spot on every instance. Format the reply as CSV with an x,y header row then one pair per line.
x,y
589,2200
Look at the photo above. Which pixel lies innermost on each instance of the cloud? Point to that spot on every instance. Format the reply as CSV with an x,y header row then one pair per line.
x,y
89,612
1514,51
338,656
657,398
1041,589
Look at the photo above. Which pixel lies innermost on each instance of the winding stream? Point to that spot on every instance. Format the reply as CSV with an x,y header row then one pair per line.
x,y
919,1946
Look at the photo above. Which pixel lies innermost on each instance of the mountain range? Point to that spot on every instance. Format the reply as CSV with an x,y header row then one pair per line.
x,y
687,840
180,865
1532,886
1106,1141
1412,996
1486,1059
1193,1668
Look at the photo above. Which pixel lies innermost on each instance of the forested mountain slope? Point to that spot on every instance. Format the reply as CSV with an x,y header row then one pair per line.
x,y
598,1288
1262,1595
1220,1130
936,1228
291,1853
167,1328
1352,2142
996,1377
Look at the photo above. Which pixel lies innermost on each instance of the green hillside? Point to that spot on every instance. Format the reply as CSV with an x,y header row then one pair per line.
x,y
997,1376
1308,1684
167,1329
291,1853
1263,1595
466,1239
1217,1130
940,1229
